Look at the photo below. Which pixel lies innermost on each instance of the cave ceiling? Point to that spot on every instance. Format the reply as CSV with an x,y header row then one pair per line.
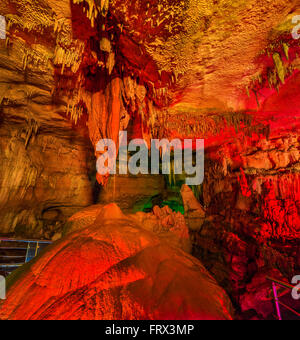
x,y
188,65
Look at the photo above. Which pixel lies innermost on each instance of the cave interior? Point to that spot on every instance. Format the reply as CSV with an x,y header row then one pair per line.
x,y
149,246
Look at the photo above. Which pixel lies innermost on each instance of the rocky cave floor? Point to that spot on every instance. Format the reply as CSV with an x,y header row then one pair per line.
x,y
74,72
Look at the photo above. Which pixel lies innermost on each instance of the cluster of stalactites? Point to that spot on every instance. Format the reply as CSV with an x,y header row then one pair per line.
x,y
94,8
276,75
70,57
110,111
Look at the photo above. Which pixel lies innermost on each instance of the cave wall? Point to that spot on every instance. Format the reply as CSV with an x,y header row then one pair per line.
x,y
251,196
47,166
44,184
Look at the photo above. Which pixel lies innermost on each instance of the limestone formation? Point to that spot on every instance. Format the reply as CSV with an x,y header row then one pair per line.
x,y
114,270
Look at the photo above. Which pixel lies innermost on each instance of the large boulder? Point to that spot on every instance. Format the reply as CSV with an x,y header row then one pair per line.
x,y
114,269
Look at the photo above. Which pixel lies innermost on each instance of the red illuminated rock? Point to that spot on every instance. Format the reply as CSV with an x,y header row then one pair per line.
x,y
113,269
259,295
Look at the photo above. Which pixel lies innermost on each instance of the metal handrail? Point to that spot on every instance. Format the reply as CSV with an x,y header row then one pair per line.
x,y
24,241
14,248
281,283
31,247
278,303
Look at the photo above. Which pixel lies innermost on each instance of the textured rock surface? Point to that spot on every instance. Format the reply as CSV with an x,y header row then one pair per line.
x,y
226,71
166,224
37,189
113,269
252,220
132,191
170,226
46,164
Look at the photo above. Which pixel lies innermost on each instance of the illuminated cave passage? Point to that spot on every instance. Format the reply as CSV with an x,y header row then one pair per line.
x,y
75,72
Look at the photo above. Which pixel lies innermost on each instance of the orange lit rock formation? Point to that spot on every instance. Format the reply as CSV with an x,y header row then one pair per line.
x,y
114,269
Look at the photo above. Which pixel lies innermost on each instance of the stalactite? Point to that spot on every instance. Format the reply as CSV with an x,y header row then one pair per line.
x,y
285,47
110,64
279,67
71,57
94,8
41,21
256,98
75,111
35,57
31,131
105,112
248,92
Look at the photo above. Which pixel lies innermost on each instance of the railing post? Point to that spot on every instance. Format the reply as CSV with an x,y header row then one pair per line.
x,y
37,248
32,249
27,253
276,301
